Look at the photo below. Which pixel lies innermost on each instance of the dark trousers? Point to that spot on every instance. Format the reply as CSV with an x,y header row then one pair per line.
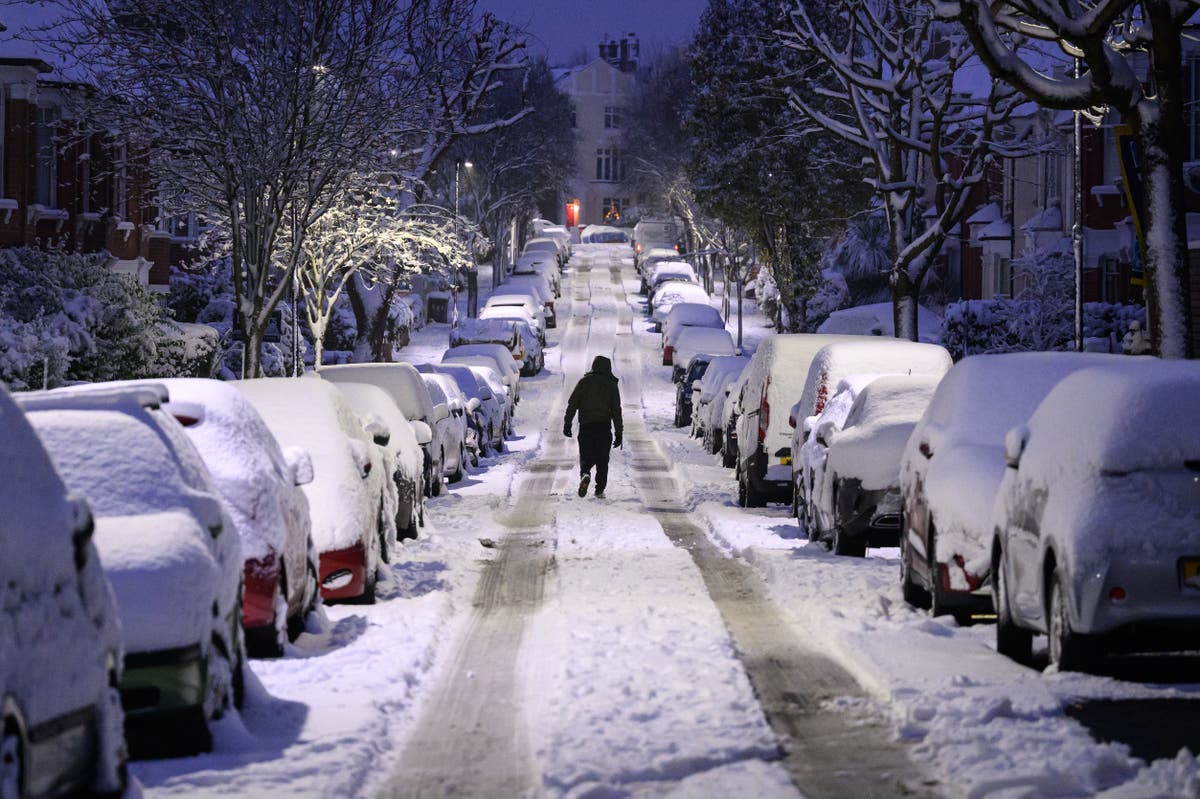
x,y
595,444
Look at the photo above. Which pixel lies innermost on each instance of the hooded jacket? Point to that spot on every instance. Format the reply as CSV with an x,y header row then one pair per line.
x,y
596,397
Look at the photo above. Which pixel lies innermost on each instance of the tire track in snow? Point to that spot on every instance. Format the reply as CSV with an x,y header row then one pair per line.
x,y
828,752
471,738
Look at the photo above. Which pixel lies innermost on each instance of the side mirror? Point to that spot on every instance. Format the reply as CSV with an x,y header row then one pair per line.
x,y
1014,445
825,432
299,464
208,511
377,430
361,456
421,431
473,404
440,412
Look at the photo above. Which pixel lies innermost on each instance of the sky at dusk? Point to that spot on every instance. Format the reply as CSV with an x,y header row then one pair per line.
x,y
560,29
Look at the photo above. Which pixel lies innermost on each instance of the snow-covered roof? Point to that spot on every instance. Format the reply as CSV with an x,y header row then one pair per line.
x,y
990,212
1049,219
995,231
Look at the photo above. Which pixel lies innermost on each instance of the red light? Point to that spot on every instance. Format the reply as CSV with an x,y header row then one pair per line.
x,y
1117,594
764,413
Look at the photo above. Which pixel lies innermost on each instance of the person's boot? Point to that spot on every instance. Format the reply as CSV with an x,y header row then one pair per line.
x,y
599,493
583,484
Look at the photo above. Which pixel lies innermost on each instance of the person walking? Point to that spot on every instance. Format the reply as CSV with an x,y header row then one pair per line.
x,y
598,402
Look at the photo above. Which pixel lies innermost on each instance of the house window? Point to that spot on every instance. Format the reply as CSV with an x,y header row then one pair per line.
x,y
614,208
609,166
46,157
1002,285
120,183
613,115
1051,179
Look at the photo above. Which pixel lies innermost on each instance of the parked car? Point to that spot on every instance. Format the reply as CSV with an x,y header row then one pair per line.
x,y
495,382
504,301
453,443
61,720
404,459
545,244
857,355
952,467
491,415
686,314
407,389
684,389
462,408
860,482
542,289
603,234
693,341
493,356
661,233
488,331
1096,524
668,295
350,523
662,271
708,399
774,378
645,259
169,550
731,417
540,265
260,486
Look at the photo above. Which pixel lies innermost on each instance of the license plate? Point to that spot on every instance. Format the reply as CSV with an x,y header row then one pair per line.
x,y
1191,573
785,461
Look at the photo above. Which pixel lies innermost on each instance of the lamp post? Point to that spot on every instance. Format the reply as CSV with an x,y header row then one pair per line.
x,y
458,167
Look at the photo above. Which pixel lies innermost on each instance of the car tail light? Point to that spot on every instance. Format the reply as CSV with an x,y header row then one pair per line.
x,y
1116,594
764,413
822,393
925,450
261,579
668,352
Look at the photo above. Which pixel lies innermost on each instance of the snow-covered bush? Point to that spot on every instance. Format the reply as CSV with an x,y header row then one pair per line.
x,y
766,292
187,349
831,296
68,317
971,327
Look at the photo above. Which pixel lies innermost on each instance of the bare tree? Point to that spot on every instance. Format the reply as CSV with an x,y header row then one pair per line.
x,y
890,81
1112,39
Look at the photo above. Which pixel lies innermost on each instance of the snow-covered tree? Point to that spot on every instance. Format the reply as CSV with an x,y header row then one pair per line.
x,y
897,85
1132,61
748,168
248,111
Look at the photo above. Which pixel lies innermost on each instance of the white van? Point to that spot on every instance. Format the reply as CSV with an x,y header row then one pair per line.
x,y
774,380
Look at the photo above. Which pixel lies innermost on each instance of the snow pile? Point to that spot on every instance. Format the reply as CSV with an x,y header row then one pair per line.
x,y
878,319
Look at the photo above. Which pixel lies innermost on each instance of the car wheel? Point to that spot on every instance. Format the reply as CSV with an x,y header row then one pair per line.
x,y
753,498
112,768
238,677
457,475
846,545
435,486
741,495
913,594
1011,640
1069,650
12,762
678,420
295,624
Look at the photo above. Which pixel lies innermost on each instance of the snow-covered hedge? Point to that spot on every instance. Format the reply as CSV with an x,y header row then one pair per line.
x,y
68,317
971,327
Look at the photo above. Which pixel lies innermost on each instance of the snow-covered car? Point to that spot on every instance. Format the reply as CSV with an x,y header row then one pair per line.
x,y
491,355
60,643
685,387
693,341
462,408
541,288
662,271
487,331
545,244
645,258
507,300
404,384
668,295
534,358
686,314
857,492
774,378
403,459
451,435
952,467
562,236
858,355
708,399
346,498
603,234
540,265
169,550
731,417
495,381
652,234
1097,520
259,484
491,412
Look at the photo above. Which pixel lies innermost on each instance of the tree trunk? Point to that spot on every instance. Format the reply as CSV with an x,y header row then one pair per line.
x,y
905,296
1162,137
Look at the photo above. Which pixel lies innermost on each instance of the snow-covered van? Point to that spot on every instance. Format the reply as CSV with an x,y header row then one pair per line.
x,y
774,380
60,646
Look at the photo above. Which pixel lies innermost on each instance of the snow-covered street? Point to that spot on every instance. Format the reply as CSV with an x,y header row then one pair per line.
x,y
660,641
